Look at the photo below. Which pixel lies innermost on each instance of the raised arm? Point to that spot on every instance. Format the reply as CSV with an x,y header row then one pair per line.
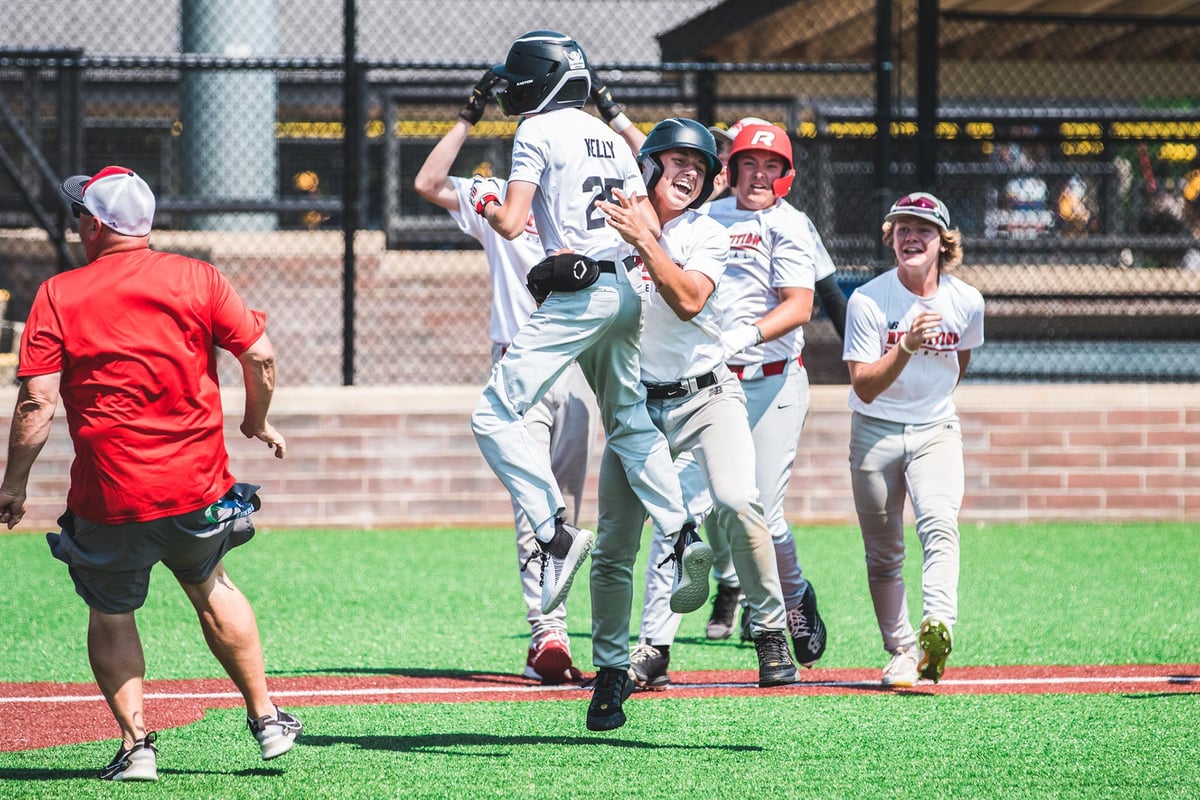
x,y
433,179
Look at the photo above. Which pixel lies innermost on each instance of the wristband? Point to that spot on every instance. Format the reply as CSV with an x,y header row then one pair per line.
x,y
758,334
620,123
905,349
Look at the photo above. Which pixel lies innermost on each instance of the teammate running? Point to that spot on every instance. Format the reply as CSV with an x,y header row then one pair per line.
x,y
692,397
909,336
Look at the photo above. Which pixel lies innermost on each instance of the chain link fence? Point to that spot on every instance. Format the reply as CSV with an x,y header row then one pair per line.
x,y
1066,148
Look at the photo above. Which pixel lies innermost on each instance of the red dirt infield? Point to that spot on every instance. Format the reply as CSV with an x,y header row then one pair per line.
x,y
34,715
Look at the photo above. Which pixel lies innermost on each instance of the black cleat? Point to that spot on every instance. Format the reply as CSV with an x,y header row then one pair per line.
x,y
605,712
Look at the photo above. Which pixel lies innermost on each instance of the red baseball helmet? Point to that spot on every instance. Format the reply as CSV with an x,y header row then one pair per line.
x,y
772,139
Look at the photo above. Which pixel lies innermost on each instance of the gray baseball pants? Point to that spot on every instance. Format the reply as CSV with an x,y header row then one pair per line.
x,y
562,424
659,623
777,406
712,424
598,328
887,461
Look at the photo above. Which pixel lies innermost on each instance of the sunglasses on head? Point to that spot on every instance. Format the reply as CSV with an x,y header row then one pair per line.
x,y
908,201
77,209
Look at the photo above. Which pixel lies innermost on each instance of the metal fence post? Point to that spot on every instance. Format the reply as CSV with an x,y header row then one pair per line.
x,y
884,67
352,132
927,93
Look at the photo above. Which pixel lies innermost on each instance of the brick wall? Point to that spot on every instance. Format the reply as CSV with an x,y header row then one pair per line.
x,y
405,457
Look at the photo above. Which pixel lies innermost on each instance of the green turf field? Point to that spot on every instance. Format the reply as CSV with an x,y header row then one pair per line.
x,y
444,602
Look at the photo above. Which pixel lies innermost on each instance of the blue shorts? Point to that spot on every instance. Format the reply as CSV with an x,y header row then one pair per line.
x,y
110,564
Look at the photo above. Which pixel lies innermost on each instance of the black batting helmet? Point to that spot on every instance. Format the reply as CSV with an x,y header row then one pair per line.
x,y
678,133
545,70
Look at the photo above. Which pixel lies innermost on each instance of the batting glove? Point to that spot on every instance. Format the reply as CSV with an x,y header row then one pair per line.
x,y
472,112
484,191
602,96
735,340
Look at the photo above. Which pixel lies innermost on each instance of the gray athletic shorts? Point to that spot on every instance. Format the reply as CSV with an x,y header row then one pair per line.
x,y
111,564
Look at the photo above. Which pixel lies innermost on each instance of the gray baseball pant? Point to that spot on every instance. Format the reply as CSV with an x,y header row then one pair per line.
x,y
712,424
659,623
887,461
561,423
777,406
598,328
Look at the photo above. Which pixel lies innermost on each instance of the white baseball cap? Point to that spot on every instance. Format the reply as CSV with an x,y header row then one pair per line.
x,y
733,130
923,206
116,196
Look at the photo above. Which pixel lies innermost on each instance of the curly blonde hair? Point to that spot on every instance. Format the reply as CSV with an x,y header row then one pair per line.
x,y
952,251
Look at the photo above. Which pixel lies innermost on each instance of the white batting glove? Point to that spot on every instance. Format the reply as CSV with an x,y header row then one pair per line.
x,y
735,340
484,191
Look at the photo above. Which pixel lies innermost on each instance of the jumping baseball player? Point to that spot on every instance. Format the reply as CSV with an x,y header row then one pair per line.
x,y
909,336
776,256
562,422
564,161
692,397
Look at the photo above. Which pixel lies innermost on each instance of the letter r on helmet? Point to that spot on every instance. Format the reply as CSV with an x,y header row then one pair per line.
x,y
765,138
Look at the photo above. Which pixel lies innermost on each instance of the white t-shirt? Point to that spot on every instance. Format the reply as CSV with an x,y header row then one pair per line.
x,y
770,249
879,313
575,160
508,264
673,349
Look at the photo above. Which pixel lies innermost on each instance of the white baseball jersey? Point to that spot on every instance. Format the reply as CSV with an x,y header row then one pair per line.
x,y
770,249
575,160
508,264
879,313
673,349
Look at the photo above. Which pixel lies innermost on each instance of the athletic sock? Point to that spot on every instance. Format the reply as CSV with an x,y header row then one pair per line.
x,y
545,531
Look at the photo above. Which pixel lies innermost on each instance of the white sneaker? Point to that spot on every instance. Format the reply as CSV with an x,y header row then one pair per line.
x,y
693,561
902,669
275,735
138,763
562,557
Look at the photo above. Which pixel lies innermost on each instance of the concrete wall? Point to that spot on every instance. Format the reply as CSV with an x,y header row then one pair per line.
x,y
405,457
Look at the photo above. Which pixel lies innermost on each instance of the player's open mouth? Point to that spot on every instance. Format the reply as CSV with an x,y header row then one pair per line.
x,y
683,187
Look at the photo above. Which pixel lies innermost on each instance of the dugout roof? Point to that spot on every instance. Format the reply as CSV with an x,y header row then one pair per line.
x,y
844,31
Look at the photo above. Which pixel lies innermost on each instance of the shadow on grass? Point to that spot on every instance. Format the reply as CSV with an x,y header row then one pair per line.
x,y
449,743
731,641
257,772
44,774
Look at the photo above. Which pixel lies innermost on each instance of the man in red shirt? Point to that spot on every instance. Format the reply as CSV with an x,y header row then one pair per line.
x,y
128,341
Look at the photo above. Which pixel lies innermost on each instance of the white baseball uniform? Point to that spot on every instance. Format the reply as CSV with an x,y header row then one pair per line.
x,y
698,404
562,422
771,249
574,159
908,440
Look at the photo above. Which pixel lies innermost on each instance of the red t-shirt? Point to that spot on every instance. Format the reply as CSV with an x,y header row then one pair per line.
x,y
133,335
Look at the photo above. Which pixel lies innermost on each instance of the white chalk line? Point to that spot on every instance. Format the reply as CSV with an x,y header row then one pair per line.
x,y
1136,680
